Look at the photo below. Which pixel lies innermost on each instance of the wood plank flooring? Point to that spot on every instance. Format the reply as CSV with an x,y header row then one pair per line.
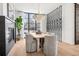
x,y
19,49
64,49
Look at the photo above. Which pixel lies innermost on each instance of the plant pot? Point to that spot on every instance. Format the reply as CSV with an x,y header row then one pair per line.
x,y
18,38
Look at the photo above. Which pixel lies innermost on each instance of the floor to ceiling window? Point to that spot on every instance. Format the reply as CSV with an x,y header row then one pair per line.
x,y
32,22
25,20
29,23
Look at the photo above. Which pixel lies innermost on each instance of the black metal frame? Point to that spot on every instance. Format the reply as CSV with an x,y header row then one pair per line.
x,y
29,22
8,9
75,23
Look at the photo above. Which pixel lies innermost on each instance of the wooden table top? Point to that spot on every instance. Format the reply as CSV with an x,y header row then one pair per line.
x,y
42,35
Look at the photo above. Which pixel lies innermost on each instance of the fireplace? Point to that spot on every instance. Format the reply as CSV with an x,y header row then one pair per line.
x,y
10,34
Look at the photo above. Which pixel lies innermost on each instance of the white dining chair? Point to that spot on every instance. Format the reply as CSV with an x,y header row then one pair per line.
x,y
30,43
50,45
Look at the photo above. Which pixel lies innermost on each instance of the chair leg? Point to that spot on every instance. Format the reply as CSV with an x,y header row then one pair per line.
x,y
36,43
41,43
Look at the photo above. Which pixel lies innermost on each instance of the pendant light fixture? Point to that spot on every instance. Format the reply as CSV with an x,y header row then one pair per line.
x,y
39,17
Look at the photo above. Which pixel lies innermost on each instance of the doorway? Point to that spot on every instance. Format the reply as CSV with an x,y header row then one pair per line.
x,y
76,23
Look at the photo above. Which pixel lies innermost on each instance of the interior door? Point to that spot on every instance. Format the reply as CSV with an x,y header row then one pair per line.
x,y
77,23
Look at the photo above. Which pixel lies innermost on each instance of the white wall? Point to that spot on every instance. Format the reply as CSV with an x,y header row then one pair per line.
x,y
68,23
1,8
5,9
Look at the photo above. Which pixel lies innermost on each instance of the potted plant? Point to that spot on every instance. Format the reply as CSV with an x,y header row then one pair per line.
x,y
19,26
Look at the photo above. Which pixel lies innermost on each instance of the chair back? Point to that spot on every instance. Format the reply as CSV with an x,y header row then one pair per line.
x,y
50,45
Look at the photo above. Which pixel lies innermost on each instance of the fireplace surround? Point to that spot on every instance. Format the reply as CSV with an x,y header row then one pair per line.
x,y
7,35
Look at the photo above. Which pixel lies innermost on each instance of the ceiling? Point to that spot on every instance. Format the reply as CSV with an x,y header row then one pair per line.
x,y
44,8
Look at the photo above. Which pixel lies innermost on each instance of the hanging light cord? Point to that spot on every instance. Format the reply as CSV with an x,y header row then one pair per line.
x,y
39,8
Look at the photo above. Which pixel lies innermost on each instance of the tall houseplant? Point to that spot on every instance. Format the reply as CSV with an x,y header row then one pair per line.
x,y
19,25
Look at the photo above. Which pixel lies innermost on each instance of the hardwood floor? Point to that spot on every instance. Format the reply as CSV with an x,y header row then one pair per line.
x,y
19,49
64,49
